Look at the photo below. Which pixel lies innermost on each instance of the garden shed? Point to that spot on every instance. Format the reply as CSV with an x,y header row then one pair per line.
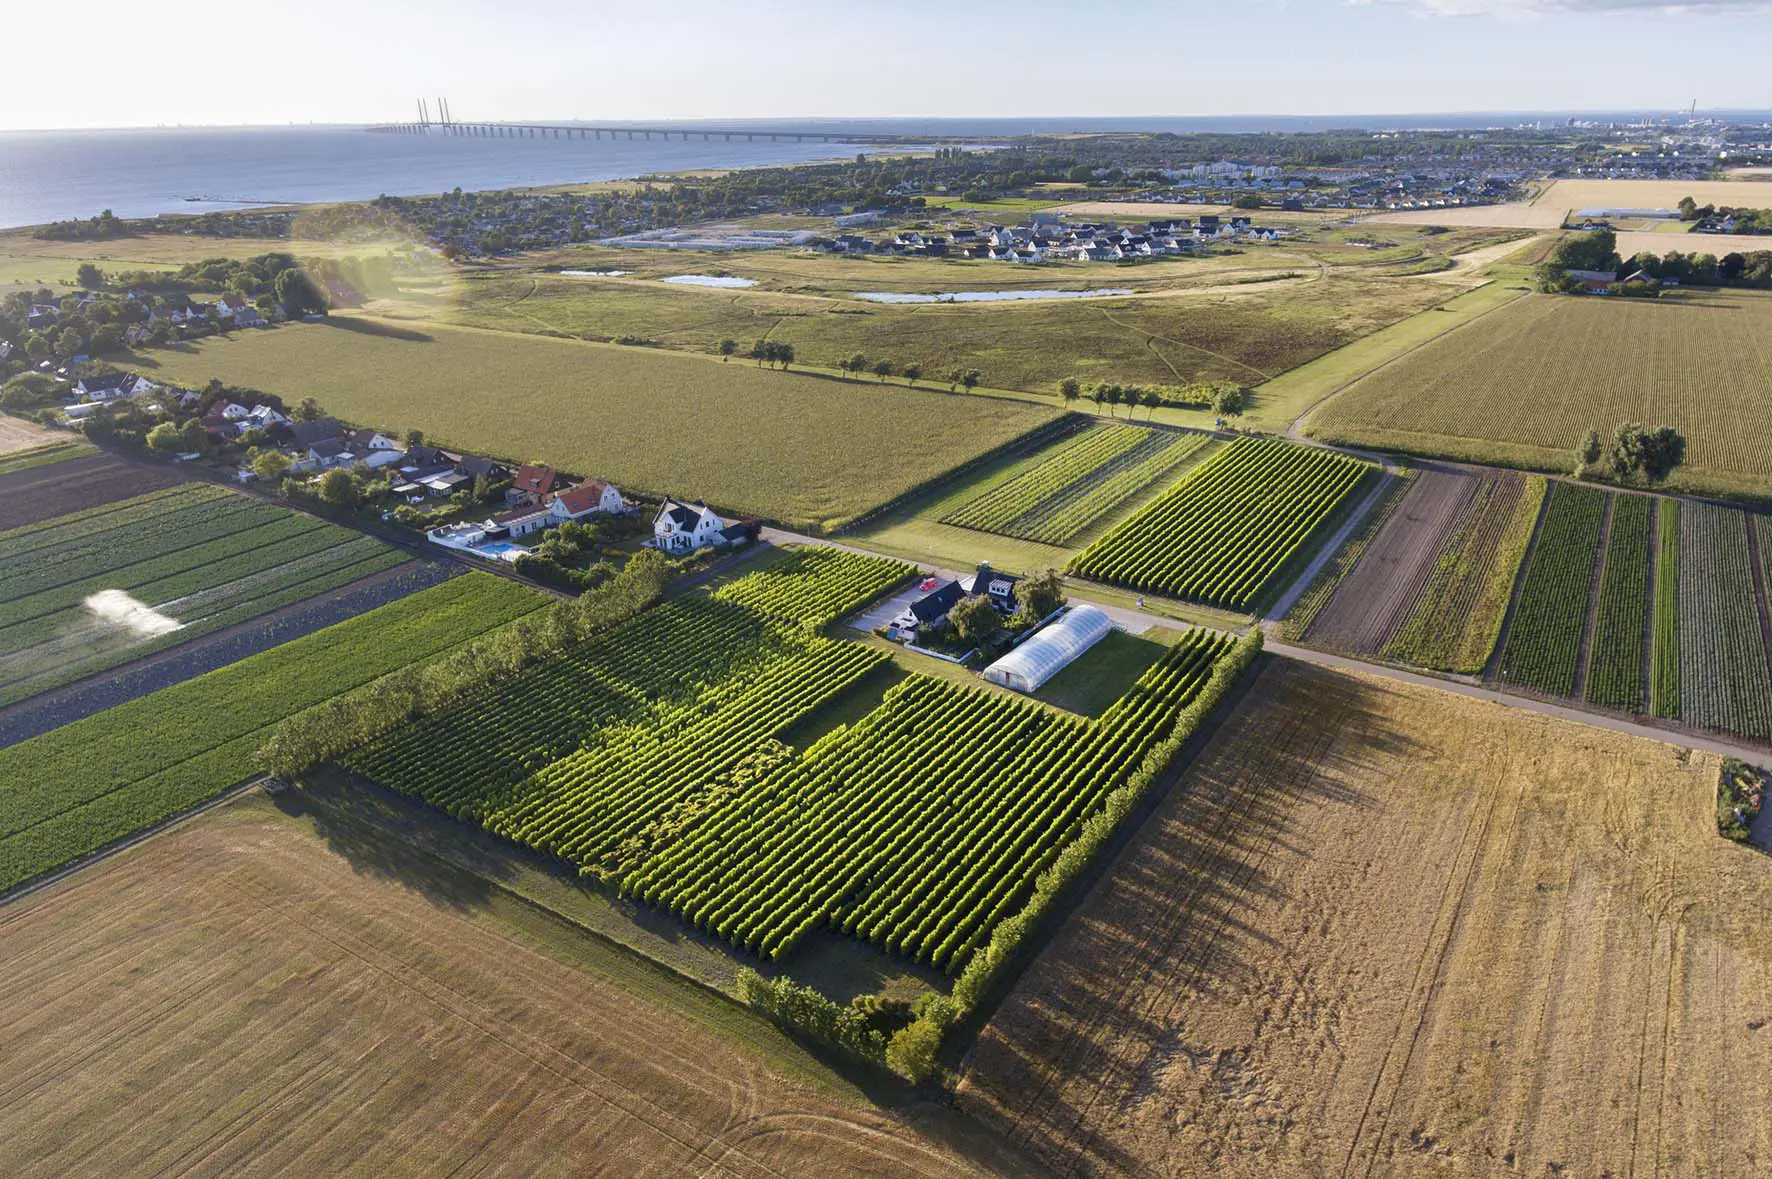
x,y
1051,650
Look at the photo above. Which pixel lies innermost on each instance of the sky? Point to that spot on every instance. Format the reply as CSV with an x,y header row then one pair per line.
x,y
367,60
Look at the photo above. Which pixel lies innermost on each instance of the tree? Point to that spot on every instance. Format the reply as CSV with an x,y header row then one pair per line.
x,y
1650,453
37,347
69,343
1688,209
1036,597
268,464
165,437
1111,395
29,391
1069,389
974,619
1246,202
856,363
784,354
1152,399
912,372
728,346
970,379
89,276
414,438
308,410
1228,398
883,368
107,338
298,294
338,489
193,436
1589,453
759,351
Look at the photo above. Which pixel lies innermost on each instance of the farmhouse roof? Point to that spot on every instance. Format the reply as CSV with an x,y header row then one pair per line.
x,y
583,498
308,433
535,479
475,465
935,604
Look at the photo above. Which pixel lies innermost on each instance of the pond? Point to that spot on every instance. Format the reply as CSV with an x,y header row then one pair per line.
x,y
985,296
711,280
596,273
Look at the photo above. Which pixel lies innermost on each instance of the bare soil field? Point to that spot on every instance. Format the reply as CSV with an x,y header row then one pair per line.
x,y
1563,197
42,493
1383,587
16,435
249,995
1380,929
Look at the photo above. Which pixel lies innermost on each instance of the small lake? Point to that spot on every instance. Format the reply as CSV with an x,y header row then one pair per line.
x,y
711,280
986,296
596,273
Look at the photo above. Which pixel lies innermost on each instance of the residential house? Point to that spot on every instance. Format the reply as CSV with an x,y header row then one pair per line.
x,y
305,434
522,521
112,386
931,610
263,417
1593,281
534,483
587,499
681,528
237,308
998,587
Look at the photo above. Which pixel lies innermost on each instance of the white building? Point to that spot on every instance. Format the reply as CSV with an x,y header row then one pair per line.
x,y
588,499
1050,651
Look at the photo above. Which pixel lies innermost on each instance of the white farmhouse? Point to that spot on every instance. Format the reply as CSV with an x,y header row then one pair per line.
x,y
679,528
587,499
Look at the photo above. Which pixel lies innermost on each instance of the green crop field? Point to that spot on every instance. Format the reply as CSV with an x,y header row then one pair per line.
x,y
805,450
1724,681
1615,655
1543,645
44,456
1523,385
1224,533
1664,686
1077,482
88,591
656,758
84,785
815,586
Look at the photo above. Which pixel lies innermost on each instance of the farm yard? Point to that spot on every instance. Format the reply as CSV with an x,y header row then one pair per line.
x,y
683,760
1523,387
1224,533
84,785
1258,987
805,450
84,592
1077,483
305,997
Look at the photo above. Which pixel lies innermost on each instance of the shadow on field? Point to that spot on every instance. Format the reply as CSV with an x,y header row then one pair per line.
x,y
376,327
1093,1027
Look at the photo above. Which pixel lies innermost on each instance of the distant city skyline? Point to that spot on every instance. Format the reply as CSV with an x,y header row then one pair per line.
x,y
337,62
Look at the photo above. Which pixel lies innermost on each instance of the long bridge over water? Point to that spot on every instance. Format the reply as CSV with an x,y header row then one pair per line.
x,y
593,131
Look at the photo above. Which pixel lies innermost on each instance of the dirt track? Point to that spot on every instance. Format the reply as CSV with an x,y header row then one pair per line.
x,y
239,996
1383,930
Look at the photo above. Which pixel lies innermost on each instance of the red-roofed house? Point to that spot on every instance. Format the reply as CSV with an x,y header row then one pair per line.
x,y
588,498
534,484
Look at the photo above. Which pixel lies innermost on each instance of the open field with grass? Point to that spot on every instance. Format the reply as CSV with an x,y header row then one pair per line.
x,y
803,449
30,262
86,592
1379,929
77,788
305,995
1523,385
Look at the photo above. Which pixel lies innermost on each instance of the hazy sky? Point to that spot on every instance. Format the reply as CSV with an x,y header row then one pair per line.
x,y
110,63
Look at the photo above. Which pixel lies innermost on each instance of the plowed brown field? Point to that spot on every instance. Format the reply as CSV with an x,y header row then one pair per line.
x,y
240,996
1384,930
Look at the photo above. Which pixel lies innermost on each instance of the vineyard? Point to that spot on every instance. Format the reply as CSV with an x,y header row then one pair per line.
x,y
655,759
1664,687
199,558
1223,534
814,586
1543,644
1077,483
96,780
1615,655
1724,683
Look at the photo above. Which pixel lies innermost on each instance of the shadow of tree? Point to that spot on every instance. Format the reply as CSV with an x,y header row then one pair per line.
x,y
377,327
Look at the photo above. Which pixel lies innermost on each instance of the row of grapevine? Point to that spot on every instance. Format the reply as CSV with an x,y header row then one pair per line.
x,y
1543,644
1077,484
1724,681
922,826
815,585
1664,685
1223,534
1615,653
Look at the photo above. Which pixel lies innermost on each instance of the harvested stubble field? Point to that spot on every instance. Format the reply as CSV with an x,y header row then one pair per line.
x,y
1522,386
17,435
271,990
1380,929
73,485
805,450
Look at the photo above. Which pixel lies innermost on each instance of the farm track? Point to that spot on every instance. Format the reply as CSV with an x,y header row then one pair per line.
x,y
1385,586
1585,651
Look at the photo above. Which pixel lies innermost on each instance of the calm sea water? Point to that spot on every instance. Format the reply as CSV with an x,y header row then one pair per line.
x,y
54,175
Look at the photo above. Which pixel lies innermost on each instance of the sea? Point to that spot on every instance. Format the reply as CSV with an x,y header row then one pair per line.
x,y
57,175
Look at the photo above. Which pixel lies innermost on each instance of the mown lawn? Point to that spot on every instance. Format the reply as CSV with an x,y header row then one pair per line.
x,y
807,450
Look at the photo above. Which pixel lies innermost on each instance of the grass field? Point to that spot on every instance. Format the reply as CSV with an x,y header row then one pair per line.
x,y
1523,386
86,784
86,592
805,450
1380,929
306,996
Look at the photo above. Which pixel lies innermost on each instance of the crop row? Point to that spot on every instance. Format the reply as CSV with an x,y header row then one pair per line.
x,y
1457,619
1615,654
73,525
1223,533
919,828
1664,686
25,571
815,585
1724,681
1077,485
1543,645
85,784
